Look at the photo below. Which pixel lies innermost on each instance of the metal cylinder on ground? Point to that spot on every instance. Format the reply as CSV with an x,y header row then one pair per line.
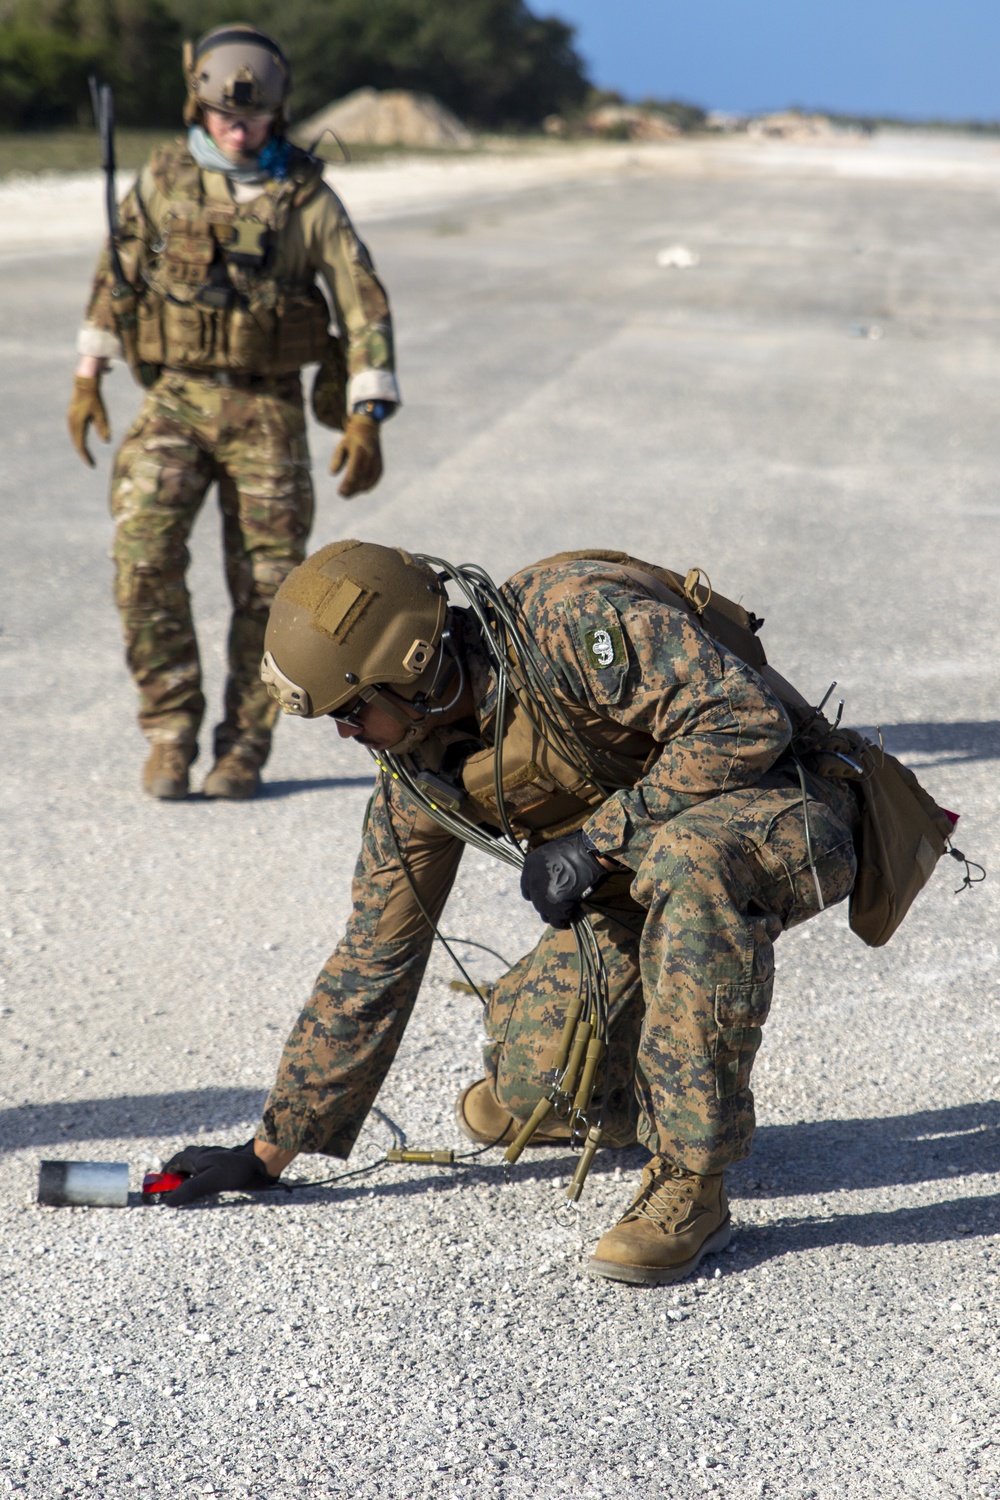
x,y
83,1184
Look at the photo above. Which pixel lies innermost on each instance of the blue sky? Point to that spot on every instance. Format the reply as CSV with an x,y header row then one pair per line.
x,y
913,58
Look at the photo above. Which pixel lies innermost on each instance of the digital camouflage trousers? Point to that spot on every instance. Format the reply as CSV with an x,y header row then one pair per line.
x,y
688,944
690,960
252,443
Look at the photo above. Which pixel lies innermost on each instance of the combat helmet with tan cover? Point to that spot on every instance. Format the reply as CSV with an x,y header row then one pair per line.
x,y
357,622
237,69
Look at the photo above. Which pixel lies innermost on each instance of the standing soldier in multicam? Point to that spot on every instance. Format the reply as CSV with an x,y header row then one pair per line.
x,y
211,294
669,786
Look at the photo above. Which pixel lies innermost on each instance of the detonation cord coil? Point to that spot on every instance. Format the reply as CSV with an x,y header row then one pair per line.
x,y
522,676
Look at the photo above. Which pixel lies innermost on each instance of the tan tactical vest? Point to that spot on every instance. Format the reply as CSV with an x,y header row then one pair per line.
x,y
215,295
544,793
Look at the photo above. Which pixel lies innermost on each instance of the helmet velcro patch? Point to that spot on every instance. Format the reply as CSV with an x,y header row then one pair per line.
x,y
334,603
305,587
342,607
326,554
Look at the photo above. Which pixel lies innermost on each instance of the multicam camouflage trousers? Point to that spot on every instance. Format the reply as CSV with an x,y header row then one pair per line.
x,y
689,950
251,440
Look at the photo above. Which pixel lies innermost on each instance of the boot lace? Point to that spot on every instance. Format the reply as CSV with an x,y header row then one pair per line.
x,y
664,1199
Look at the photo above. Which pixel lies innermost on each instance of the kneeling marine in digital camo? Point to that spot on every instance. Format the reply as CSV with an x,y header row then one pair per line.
x,y
613,730
209,288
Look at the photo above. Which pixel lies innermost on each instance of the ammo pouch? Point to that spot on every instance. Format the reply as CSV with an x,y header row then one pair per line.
x,y
249,320
902,836
546,795
257,339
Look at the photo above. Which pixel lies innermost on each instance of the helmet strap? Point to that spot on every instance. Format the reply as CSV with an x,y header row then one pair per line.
x,y
446,670
387,702
396,707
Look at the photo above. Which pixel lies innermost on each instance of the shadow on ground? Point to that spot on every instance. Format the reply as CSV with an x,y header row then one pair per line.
x,y
129,1115
273,789
934,744
820,1156
807,1159
930,1223
826,1156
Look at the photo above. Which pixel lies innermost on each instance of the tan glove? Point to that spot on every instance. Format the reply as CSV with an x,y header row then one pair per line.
x,y
361,451
85,407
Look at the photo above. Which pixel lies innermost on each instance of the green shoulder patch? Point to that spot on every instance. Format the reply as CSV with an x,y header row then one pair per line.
x,y
605,647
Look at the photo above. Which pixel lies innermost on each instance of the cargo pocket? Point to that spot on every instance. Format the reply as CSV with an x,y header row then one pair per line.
x,y
740,1012
524,1021
792,877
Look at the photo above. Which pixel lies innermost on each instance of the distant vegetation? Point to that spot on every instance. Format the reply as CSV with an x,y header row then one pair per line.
x,y
492,61
48,47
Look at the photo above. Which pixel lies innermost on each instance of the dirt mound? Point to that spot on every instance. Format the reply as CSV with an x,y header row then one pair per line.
x,y
394,117
789,125
631,122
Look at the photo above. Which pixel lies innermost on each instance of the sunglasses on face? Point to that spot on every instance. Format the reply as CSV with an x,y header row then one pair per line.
x,y
348,713
248,119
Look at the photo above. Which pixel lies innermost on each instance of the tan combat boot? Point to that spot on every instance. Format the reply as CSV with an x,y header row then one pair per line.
x,y
234,775
165,774
676,1218
481,1118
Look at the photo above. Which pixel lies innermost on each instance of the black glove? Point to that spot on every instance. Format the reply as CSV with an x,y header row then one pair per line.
x,y
556,877
217,1169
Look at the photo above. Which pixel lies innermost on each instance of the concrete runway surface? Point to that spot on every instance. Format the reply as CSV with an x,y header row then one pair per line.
x,y
810,413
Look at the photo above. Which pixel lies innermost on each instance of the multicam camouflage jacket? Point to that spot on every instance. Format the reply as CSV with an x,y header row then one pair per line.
x,y
227,277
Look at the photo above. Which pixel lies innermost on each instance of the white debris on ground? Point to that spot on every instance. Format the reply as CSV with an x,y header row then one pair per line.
x,y
677,257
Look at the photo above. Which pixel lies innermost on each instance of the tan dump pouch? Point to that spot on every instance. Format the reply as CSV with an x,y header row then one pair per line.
x,y
329,390
302,330
903,835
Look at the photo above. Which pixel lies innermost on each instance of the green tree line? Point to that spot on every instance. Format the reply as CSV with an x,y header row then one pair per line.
x,y
492,61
